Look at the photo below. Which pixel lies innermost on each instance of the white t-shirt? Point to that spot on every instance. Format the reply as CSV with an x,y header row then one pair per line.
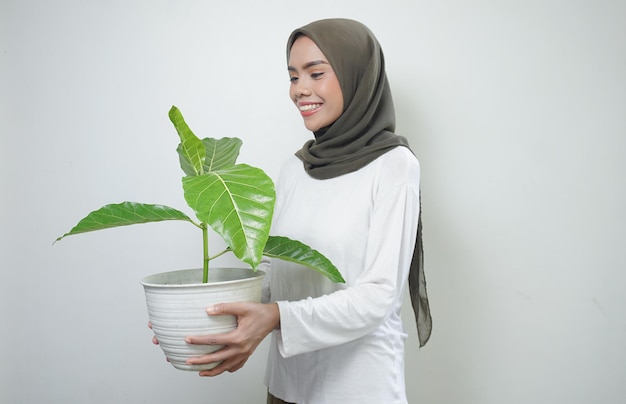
x,y
344,343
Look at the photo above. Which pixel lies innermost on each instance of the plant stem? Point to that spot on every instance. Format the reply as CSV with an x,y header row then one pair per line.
x,y
220,254
205,248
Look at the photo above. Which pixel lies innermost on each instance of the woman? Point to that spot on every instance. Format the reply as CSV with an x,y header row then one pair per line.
x,y
353,194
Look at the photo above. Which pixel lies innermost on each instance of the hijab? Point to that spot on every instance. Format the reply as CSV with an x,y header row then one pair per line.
x,y
365,129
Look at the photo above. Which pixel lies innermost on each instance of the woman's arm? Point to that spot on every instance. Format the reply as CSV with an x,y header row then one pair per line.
x,y
351,313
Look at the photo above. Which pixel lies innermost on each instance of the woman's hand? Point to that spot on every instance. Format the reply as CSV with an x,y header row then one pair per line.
x,y
254,322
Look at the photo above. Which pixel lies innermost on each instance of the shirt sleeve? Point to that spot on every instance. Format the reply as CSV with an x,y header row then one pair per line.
x,y
345,315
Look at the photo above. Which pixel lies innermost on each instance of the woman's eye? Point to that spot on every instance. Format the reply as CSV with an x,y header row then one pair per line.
x,y
316,75
293,79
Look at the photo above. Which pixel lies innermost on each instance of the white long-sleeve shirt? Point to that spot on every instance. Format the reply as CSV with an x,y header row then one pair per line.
x,y
344,343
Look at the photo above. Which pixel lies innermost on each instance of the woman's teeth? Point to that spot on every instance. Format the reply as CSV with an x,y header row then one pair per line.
x,y
309,107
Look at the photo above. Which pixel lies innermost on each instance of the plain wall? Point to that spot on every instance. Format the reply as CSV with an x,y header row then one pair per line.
x,y
516,110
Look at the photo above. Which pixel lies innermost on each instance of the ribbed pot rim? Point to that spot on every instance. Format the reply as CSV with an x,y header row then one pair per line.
x,y
247,275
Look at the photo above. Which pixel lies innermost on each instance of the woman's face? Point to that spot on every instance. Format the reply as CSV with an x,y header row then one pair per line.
x,y
314,86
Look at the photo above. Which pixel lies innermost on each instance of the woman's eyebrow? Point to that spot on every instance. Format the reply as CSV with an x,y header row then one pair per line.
x,y
307,65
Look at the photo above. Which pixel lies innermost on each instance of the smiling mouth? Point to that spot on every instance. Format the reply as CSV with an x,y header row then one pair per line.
x,y
309,107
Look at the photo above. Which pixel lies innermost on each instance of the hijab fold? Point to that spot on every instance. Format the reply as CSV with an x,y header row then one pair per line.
x,y
365,129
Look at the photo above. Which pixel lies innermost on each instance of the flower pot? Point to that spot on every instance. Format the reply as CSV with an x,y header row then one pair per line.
x,y
177,303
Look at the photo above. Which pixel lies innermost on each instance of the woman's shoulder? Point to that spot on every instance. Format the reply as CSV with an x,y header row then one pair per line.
x,y
399,161
401,153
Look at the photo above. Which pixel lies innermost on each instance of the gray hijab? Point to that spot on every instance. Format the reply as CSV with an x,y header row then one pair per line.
x,y
365,129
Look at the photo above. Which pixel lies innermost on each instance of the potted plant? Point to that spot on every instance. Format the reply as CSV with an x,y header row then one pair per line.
x,y
237,202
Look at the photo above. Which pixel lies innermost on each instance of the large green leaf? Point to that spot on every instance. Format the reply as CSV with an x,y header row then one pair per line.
x,y
125,214
238,203
295,251
191,148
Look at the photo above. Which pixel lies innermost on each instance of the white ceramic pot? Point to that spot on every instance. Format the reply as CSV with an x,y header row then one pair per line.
x,y
177,303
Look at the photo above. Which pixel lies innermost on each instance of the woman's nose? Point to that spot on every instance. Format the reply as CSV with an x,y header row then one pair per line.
x,y
302,90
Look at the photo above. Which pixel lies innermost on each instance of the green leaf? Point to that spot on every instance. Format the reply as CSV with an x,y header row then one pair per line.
x,y
295,251
238,203
191,148
125,214
220,153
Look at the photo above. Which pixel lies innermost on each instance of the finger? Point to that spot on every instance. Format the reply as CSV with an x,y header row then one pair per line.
x,y
155,341
238,366
221,355
231,366
215,339
220,309
149,324
216,371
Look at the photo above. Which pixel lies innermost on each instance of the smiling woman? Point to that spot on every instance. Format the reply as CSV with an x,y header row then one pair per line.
x,y
353,192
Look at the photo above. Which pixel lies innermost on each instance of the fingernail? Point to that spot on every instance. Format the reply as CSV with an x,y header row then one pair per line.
x,y
210,309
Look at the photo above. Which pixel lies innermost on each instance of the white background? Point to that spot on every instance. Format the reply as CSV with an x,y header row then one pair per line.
x,y
516,110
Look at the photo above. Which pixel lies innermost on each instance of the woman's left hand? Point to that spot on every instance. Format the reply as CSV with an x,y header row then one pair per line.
x,y
254,322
